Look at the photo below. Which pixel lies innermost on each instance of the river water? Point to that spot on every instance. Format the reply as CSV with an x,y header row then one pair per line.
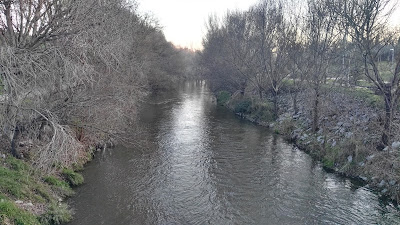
x,y
196,163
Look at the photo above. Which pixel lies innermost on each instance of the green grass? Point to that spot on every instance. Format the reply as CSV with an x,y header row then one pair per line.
x,y
16,180
72,177
364,94
19,181
368,96
288,85
330,157
328,163
61,187
52,180
10,213
386,70
57,214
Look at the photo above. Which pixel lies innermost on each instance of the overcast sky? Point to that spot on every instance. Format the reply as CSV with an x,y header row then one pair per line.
x,y
183,21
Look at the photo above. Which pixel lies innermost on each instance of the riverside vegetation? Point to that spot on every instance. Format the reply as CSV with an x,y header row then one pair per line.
x,y
346,142
323,73
72,74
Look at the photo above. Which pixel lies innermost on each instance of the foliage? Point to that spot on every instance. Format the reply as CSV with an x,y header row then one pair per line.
x,y
72,75
61,187
57,214
325,44
243,106
288,85
223,97
262,111
330,157
17,165
286,126
9,212
328,162
72,177
17,180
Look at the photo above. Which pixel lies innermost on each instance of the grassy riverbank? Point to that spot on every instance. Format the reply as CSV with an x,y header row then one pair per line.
x,y
346,140
28,197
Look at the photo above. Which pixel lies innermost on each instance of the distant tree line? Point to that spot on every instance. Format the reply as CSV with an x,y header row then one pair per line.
x,y
309,44
72,74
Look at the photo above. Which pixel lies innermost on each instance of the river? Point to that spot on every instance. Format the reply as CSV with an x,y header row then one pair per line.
x,y
197,163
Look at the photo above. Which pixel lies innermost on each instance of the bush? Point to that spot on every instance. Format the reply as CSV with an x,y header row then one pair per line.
x,y
328,163
243,107
72,177
262,111
223,97
286,127
330,157
56,182
57,214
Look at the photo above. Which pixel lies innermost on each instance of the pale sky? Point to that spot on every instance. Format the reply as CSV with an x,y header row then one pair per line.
x,y
183,21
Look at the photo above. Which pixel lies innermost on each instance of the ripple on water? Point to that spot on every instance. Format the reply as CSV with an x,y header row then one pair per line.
x,y
199,164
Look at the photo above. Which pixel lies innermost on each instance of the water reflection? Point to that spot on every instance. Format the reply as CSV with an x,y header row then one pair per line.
x,y
184,148
198,164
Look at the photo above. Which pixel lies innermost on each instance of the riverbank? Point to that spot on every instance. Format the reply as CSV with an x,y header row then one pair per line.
x,y
29,196
347,138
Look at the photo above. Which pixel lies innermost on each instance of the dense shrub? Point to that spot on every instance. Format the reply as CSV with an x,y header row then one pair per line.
x,y
262,111
243,106
223,97
57,214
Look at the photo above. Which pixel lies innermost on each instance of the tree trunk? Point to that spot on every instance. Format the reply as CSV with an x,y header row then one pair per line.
x,y
275,104
316,111
14,140
388,119
295,107
242,88
10,29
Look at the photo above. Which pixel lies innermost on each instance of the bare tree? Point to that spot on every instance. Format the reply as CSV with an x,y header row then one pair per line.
x,y
239,35
216,61
73,73
29,24
367,22
320,37
275,37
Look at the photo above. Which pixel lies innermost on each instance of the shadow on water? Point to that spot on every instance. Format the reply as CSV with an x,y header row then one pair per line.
x,y
196,163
